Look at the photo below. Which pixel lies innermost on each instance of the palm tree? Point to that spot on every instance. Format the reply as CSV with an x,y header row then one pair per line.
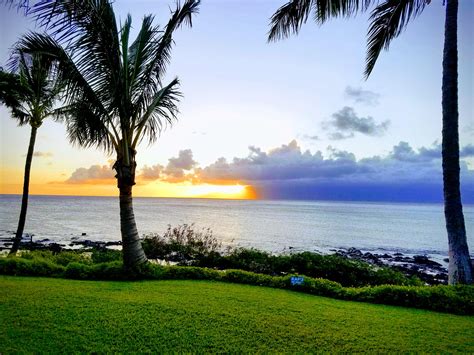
x,y
30,92
114,96
388,19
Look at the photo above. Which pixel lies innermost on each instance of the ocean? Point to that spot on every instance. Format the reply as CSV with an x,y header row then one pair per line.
x,y
275,226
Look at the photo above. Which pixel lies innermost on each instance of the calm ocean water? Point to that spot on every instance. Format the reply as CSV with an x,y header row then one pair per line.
x,y
269,225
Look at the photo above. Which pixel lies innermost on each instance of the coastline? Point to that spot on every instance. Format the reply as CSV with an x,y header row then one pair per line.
x,y
424,266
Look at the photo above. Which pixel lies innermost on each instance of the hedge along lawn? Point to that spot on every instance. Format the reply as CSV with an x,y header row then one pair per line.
x,y
55,315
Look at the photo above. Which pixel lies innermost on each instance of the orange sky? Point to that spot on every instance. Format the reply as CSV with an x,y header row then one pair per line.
x,y
44,182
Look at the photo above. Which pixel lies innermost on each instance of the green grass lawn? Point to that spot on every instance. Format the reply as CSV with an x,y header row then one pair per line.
x,y
55,315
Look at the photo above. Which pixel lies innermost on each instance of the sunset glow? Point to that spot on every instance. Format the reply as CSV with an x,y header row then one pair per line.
x,y
220,191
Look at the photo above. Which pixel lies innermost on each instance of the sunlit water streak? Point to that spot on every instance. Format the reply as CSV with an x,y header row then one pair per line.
x,y
268,225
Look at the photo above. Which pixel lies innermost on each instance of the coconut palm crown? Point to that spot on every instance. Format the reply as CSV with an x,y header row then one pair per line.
x,y
388,19
114,96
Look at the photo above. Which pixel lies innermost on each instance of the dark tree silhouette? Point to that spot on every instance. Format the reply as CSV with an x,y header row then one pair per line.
x,y
29,91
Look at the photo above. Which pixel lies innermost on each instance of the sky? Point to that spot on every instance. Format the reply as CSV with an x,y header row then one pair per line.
x,y
292,119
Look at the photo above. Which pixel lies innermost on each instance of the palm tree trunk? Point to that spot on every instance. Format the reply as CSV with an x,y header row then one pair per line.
x,y
460,267
26,187
133,254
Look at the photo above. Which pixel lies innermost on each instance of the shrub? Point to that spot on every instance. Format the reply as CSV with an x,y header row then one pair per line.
x,y
454,299
181,244
332,267
29,267
104,256
62,258
78,271
188,247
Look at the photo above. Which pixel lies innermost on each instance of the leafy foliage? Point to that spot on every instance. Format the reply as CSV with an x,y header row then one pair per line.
x,y
181,244
186,246
388,20
114,96
32,87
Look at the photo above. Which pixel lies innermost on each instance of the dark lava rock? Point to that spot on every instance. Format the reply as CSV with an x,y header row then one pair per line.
x,y
424,260
354,252
371,258
42,240
428,271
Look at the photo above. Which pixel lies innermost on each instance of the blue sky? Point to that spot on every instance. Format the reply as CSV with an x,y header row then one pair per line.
x,y
241,91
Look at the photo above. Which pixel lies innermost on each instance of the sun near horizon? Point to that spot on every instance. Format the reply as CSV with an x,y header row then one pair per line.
x,y
158,189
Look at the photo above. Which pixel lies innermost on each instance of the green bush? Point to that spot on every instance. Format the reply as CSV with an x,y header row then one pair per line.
x,y
78,271
188,247
332,267
103,271
105,256
62,258
30,267
454,299
182,244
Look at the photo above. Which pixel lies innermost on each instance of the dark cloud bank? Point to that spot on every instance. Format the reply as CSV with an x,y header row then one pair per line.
x,y
287,172
404,175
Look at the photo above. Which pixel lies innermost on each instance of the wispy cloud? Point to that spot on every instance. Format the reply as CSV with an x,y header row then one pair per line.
x,y
362,96
42,154
309,137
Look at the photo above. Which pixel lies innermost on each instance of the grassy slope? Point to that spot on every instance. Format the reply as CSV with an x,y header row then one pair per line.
x,y
54,315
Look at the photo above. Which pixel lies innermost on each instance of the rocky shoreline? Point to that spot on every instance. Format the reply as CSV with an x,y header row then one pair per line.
x,y
28,243
428,270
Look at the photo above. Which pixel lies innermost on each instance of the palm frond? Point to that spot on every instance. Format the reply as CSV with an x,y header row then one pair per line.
x,y
181,15
141,53
154,70
113,91
327,9
89,29
84,128
79,97
12,95
162,110
289,18
388,20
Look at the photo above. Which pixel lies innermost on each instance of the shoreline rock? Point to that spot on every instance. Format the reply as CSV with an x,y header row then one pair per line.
x,y
429,271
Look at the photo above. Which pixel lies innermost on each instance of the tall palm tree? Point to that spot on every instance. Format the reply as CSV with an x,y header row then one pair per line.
x,y
387,21
114,95
30,93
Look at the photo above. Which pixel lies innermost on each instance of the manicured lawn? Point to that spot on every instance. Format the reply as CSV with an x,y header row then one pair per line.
x,y
55,315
